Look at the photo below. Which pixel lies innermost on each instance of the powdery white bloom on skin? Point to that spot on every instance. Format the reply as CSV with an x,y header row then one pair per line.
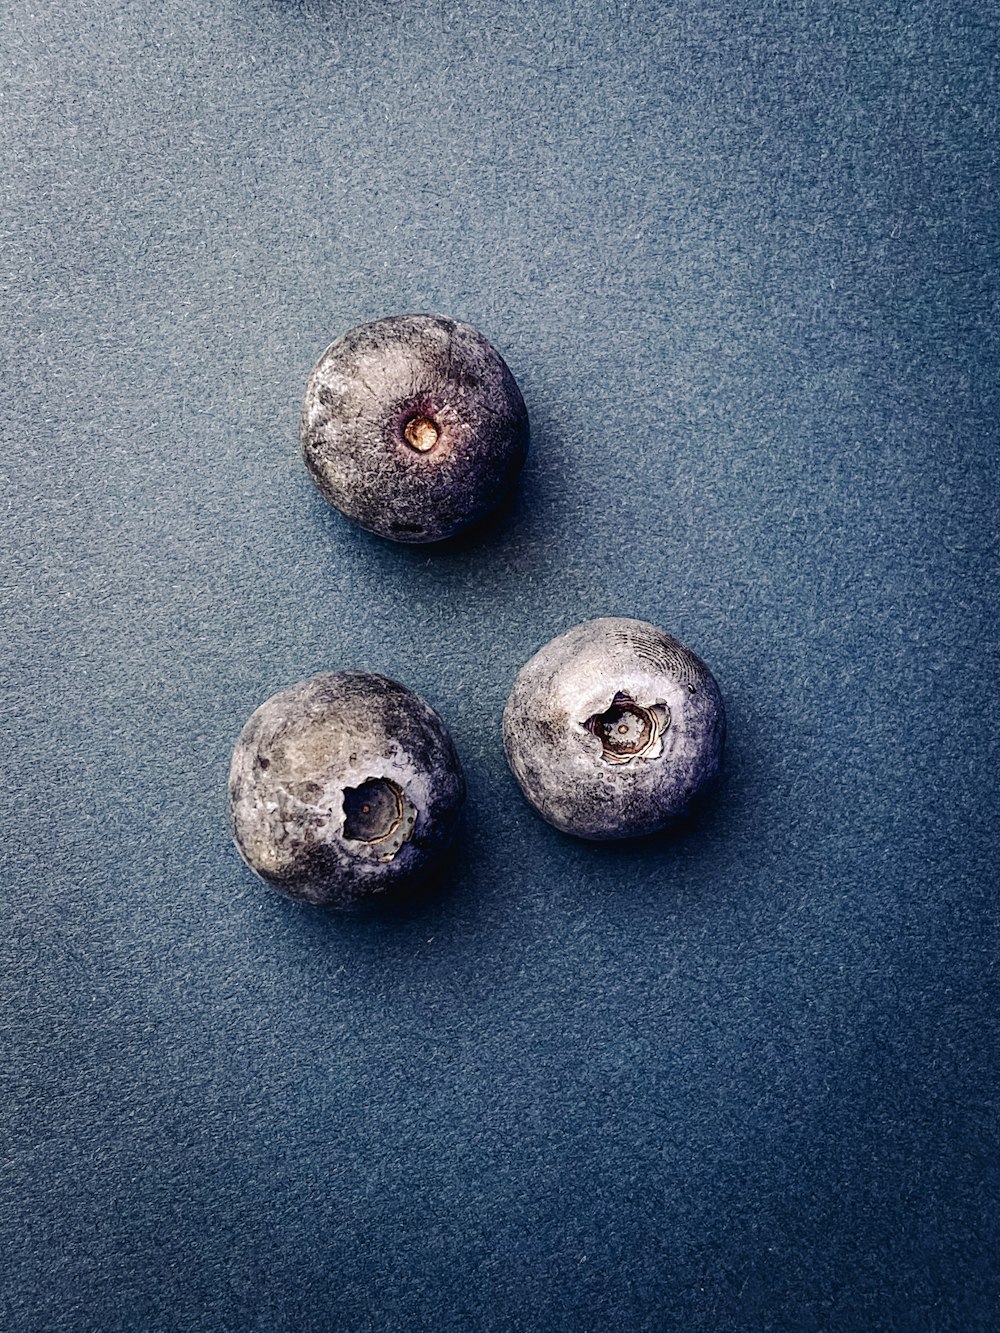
x,y
343,787
612,728
413,427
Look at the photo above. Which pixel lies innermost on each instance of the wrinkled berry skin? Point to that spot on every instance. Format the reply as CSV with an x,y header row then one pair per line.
x,y
413,427
612,728
342,788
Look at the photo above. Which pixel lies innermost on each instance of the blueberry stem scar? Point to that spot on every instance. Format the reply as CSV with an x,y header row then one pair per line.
x,y
421,433
372,811
628,730
379,813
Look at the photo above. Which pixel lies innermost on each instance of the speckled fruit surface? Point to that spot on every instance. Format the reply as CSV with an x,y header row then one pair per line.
x,y
743,262
413,426
612,728
342,788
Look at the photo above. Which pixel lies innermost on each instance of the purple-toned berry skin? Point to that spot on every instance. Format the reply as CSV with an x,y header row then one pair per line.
x,y
413,427
344,788
613,728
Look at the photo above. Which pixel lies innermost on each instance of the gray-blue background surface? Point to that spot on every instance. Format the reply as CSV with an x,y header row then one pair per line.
x,y
741,259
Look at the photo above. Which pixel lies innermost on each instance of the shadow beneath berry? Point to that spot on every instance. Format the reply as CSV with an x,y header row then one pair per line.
x,y
491,527
419,899
696,850
696,821
395,910
701,819
520,527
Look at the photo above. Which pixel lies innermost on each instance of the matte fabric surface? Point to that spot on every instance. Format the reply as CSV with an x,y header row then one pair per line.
x,y
742,260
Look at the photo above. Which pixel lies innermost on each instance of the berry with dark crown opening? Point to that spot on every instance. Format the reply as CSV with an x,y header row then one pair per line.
x,y
344,787
612,728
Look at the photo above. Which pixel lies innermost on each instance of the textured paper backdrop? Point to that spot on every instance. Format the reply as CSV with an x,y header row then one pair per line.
x,y
742,260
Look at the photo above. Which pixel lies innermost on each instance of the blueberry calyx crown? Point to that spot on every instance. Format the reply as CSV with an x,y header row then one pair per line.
x,y
629,730
379,812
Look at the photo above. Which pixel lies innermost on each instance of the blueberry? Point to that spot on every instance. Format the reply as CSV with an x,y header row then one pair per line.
x,y
343,787
612,728
413,427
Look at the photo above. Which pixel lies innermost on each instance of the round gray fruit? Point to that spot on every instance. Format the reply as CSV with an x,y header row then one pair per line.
x,y
413,427
343,787
612,728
